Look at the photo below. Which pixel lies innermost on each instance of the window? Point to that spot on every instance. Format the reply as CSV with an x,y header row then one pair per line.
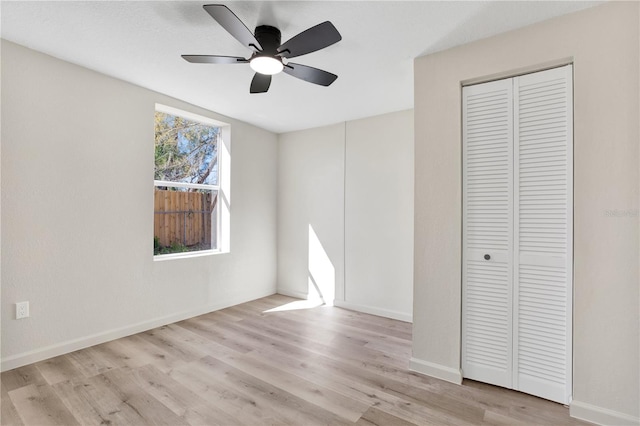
x,y
189,201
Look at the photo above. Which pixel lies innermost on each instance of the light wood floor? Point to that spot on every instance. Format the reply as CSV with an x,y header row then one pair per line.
x,y
244,365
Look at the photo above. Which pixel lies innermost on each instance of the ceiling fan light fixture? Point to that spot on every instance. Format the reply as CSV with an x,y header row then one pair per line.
x,y
267,65
270,56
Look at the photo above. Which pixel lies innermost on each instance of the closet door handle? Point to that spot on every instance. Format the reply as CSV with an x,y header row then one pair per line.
x,y
487,257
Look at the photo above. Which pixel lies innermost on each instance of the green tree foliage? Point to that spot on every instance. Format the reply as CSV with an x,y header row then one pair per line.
x,y
185,151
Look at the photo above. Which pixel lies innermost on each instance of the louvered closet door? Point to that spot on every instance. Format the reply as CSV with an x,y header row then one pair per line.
x,y
517,233
488,231
543,226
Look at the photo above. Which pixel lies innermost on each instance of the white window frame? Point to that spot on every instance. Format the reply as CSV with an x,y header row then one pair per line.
x,y
223,204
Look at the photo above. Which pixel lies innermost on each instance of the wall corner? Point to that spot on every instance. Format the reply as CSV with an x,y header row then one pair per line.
x,y
442,372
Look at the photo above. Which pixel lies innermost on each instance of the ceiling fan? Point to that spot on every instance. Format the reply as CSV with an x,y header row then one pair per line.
x,y
269,56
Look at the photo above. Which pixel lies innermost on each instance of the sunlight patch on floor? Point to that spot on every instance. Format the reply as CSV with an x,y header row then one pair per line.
x,y
298,304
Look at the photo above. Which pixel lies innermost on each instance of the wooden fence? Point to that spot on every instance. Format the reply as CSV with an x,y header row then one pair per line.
x,y
183,217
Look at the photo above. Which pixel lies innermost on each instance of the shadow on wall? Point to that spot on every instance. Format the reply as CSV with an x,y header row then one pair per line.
x,y
322,273
483,19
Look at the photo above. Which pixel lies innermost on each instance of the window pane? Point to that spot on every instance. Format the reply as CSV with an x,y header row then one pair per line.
x,y
185,150
185,219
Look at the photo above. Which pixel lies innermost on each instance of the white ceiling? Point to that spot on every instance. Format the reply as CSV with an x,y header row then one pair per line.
x,y
141,42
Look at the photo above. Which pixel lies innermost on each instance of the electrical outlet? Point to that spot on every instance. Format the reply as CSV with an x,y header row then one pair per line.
x,y
22,310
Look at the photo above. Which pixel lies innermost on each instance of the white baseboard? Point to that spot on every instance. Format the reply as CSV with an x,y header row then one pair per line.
x,y
387,313
18,360
292,293
438,371
599,415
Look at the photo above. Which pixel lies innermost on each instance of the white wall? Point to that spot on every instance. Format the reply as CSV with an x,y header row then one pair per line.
x,y
604,45
379,215
77,198
311,212
353,184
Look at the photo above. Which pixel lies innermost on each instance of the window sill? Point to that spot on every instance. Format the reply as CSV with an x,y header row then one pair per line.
x,y
186,255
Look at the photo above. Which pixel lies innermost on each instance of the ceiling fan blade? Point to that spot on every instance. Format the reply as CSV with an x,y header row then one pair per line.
x,y
315,38
233,25
260,83
214,59
310,74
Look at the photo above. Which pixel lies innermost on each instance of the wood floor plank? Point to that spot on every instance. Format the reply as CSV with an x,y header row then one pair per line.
x,y
294,409
23,376
166,341
89,362
210,415
496,419
95,400
122,354
191,344
8,413
288,327
389,396
263,333
341,350
58,369
357,320
265,362
376,417
39,405
153,354
224,316
326,331
75,399
173,395
311,392
390,349
122,383
237,405
201,327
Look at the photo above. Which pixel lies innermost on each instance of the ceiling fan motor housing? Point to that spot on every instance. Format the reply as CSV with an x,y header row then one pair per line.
x,y
269,39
